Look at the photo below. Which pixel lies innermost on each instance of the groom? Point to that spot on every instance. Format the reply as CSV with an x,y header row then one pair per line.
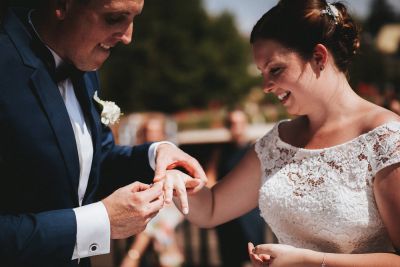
x,y
54,151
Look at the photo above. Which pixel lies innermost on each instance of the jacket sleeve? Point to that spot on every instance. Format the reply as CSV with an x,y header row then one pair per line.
x,y
122,165
31,239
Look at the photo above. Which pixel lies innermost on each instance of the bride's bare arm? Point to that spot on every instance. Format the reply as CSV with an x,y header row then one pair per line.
x,y
234,195
287,256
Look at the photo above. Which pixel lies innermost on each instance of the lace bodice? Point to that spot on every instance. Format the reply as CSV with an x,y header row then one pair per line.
x,y
323,199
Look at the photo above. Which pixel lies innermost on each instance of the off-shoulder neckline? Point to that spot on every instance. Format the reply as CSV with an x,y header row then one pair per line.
x,y
355,139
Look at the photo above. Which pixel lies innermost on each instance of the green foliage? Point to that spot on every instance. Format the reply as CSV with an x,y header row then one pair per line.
x,y
180,58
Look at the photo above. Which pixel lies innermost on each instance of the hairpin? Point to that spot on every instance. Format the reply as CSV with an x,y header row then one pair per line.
x,y
332,11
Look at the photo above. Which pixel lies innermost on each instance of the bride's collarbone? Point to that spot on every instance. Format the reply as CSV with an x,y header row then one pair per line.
x,y
304,138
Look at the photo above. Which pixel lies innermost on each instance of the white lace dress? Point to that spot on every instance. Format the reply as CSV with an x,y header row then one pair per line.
x,y
323,199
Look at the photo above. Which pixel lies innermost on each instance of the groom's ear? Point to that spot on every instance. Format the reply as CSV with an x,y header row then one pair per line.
x,y
62,8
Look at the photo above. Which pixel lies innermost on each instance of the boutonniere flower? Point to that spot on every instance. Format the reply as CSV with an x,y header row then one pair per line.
x,y
110,113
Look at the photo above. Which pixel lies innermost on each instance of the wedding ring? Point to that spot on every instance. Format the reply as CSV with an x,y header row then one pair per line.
x,y
133,254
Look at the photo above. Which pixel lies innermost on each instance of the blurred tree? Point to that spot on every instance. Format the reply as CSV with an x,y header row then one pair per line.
x,y
180,58
381,12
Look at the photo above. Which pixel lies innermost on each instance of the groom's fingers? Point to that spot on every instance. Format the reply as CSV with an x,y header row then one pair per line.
x,y
138,186
198,171
151,193
193,185
193,168
160,171
154,206
196,185
169,157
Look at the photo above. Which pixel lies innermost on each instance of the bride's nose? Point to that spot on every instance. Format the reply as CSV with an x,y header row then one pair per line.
x,y
268,86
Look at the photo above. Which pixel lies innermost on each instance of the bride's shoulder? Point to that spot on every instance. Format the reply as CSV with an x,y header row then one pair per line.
x,y
282,126
378,117
271,134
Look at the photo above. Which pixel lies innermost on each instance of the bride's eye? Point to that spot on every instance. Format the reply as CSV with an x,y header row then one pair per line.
x,y
275,71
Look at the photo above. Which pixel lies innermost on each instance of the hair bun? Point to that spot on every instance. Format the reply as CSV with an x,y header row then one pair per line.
x,y
302,24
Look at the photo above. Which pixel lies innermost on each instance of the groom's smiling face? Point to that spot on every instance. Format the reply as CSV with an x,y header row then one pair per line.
x,y
90,29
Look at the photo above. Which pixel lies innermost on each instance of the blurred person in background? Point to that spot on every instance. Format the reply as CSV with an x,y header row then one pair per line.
x,y
327,182
234,235
160,232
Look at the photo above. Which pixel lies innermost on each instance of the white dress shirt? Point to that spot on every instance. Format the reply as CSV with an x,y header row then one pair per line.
x,y
93,225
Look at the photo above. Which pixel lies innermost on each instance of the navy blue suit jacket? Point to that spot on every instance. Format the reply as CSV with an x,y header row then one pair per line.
x,y
39,164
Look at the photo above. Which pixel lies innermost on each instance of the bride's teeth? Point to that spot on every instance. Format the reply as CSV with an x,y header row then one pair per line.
x,y
282,96
105,46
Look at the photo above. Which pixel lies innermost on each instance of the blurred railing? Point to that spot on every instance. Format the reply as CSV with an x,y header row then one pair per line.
x,y
219,135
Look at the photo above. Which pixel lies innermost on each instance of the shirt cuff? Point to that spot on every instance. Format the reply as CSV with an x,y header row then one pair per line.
x,y
152,152
93,231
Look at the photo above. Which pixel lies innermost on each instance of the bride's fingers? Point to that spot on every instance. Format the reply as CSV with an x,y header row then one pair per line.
x,y
192,184
255,259
180,191
258,259
250,247
168,189
265,257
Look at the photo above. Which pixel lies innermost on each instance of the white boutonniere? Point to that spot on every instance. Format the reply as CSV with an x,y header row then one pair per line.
x,y
110,113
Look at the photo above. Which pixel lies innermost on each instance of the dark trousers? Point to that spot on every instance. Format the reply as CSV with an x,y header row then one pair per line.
x,y
233,237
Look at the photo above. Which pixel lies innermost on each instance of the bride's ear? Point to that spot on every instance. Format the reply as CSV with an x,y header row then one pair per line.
x,y
320,57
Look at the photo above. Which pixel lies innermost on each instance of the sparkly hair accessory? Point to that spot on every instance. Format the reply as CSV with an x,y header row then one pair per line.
x,y
332,11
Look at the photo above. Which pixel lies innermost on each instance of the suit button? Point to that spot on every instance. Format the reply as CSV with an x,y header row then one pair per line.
x,y
93,247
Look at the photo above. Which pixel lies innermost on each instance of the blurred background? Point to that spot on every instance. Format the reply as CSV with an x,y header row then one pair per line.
x,y
189,65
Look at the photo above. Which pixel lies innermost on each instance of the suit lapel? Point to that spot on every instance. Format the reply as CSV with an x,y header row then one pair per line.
x,y
54,107
51,100
83,89
47,92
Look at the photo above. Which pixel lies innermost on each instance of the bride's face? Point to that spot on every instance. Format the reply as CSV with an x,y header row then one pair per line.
x,y
286,74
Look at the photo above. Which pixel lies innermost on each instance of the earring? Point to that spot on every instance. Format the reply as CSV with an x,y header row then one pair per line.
x,y
322,67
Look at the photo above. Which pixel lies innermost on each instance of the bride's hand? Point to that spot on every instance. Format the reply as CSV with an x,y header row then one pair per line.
x,y
258,260
281,255
179,184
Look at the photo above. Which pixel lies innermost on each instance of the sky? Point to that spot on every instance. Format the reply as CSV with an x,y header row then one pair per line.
x,y
247,12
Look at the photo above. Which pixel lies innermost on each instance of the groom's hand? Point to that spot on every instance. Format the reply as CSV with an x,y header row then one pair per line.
x,y
130,208
170,157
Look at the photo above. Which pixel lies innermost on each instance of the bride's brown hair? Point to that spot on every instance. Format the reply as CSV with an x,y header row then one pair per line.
x,y
302,24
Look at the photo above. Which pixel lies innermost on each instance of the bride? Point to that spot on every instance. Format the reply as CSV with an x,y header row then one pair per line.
x,y
327,182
